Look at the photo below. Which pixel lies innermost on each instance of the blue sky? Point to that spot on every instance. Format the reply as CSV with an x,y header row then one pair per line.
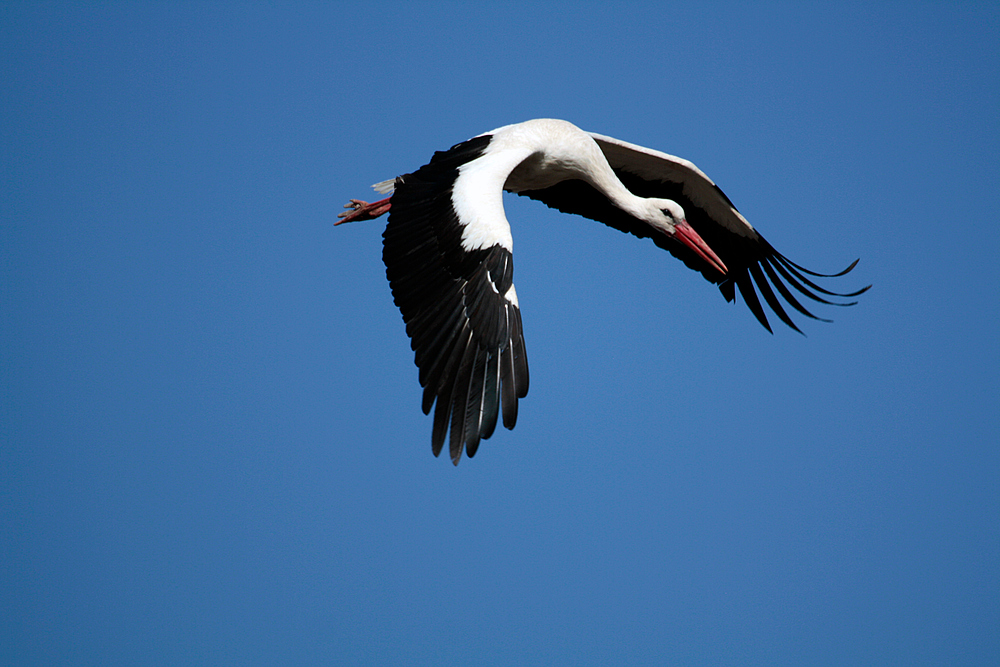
x,y
213,450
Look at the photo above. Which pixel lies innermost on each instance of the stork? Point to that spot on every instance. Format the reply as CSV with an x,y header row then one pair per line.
x,y
447,252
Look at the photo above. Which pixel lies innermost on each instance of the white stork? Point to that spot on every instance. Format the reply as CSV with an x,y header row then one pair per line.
x,y
447,252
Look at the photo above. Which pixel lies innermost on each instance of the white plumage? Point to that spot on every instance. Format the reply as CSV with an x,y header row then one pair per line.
x,y
447,251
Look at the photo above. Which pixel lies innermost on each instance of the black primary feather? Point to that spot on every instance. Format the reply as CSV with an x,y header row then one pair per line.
x,y
744,255
466,336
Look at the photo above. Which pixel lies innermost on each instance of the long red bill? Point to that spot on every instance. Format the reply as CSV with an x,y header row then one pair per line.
x,y
684,233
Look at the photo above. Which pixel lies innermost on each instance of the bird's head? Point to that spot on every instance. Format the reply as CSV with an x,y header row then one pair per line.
x,y
671,211
673,223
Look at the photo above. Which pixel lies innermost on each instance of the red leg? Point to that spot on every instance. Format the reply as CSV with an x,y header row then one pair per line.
x,y
364,211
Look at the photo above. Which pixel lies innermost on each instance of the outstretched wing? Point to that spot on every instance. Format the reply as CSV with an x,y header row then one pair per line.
x,y
459,306
751,260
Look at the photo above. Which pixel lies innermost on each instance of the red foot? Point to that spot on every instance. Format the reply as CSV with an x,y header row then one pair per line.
x,y
364,211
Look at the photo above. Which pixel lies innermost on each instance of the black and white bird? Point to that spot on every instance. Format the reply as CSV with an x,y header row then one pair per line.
x,y
447,253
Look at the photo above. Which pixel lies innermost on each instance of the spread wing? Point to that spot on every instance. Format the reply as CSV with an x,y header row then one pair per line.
x,y
751,260
459,306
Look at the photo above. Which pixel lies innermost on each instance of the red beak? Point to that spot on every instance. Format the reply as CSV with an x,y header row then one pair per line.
x,y
684,233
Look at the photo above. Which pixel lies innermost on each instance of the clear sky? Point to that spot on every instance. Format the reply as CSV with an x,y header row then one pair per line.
x,y
212,445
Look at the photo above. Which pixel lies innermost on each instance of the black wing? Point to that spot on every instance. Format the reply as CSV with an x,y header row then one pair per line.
x,y
464,330
751,260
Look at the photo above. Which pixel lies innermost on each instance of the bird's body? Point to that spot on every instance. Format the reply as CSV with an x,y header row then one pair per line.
x,y
447,250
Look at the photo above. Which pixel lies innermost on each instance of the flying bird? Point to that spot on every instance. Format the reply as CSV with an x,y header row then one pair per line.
x,y
447,252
